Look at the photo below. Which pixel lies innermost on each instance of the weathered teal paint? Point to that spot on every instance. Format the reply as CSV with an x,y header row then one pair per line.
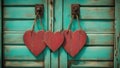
x,y
105,26
87,64
63,58
94,12
97,19
58,23
23,2
23,53
93,39
20,53
35,64
82,2
88,53
47,58
91,53
117,35
89,18
56,26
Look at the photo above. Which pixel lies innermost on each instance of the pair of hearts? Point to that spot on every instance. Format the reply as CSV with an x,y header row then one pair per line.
x,y
72,41
37,41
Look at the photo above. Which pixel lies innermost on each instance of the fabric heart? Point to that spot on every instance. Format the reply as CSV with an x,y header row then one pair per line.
x,y
74,41
34,41
53,40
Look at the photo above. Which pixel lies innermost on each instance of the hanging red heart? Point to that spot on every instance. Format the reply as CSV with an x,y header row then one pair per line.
x,y
53,40
34,41
74,42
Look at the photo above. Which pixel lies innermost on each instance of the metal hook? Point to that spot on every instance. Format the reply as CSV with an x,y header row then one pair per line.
x,y
39,10
75,10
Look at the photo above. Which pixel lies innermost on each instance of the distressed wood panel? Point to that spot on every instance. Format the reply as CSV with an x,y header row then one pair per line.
x,y
73,64
90,26
23,2
94,12
58,58
20,53
87,53
117,35
97,13
19,12
63,58
54,59
23,12
92,67
24,64
79,64
93,39
57,26
47,59
94,53
82,2
22,25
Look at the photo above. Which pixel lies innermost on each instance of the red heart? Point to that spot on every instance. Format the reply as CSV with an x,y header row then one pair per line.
x,y
53,40
74,41
34,41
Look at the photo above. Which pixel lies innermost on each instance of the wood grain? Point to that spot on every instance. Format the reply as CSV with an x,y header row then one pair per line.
x,y
94,12
87,53
90,26
82,2
93,39
24,64
77,64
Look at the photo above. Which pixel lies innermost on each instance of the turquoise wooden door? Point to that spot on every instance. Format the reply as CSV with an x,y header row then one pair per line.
x,y
18,17
96,18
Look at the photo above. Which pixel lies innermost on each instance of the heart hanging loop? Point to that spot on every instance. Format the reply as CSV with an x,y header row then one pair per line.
x,y
74,41
35,21
78,22
70,22
34,25
34,40
38,16
41,23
